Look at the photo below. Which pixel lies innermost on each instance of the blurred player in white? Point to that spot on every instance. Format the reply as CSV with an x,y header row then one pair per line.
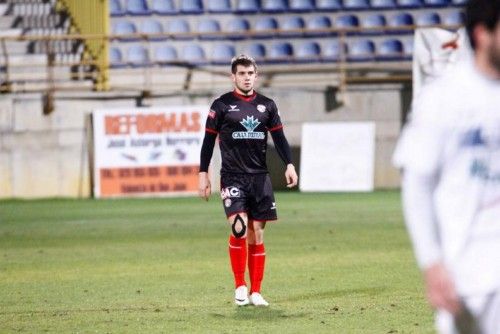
x,y
449,153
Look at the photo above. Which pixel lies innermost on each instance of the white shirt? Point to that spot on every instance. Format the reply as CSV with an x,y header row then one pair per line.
x,y
454,136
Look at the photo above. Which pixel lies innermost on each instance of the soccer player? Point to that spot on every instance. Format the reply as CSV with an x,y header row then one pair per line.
x,y
242,118
450,156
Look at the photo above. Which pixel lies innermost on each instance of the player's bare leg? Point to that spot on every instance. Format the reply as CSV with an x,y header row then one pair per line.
x,y
238,255
256,260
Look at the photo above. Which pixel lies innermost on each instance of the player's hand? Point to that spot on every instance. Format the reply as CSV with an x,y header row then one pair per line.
x,y
204,186
441,291
291,176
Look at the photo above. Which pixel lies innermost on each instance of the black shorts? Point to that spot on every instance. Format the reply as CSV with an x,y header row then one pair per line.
x,y
250,193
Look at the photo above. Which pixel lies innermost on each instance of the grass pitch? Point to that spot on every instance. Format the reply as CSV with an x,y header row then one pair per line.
x,y
336,263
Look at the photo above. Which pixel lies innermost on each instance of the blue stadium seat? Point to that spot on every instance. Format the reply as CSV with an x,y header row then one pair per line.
x,y
390,49
265,27
257,51
308,52
208,29
179,28
372,22
116,8
459,2
409,3
138,56
436,3
274,6
237,28
428,19
328,5
301,6
318,26
191,7
248,6
138,7
164,7
125,28
152,27
292,23
219,6
383,4
347,22
361,50
332,51
280,52
400,20
116,58
455,18
408,49
222,54
194,54
355,4
165,55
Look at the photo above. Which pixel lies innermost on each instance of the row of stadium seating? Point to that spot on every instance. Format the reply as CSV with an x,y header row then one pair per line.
x,y
168,7
270,27
309,51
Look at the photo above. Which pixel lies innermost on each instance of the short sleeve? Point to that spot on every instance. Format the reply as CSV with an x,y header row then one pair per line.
x,y
274,121
214,117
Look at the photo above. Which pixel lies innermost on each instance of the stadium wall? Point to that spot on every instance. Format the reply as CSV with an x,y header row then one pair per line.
x,y
48,155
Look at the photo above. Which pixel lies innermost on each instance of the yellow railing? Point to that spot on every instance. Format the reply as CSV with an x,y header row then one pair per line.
x,y
92,17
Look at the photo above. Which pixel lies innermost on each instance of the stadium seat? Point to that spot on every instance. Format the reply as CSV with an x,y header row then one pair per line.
x,y
436,3
391,49
116,8
179,28
116,58
274,6
308,52
383,4
301,6
191,7
138,56
152,27
265,27
332,51
237,28
400,20
219,6
125,28
328,5
165,54
318,26
371,23
409,3
290,24
256,50
138,7
408,49
348,22
355,4
428,19
248,6
193,54
455,18
280,52
164,7
208,29
459,2
222,54
361,50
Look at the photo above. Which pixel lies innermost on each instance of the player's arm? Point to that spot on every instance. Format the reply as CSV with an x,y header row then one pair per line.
x,y
285,154
207,149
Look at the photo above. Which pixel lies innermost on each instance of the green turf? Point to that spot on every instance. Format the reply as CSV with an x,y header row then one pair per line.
x,y
336,263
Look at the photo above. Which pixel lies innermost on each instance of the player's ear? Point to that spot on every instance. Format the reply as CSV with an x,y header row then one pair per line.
x,y
233,77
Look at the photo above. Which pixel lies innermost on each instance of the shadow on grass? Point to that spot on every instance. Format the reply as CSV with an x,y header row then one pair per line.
x,y
370,291
251,313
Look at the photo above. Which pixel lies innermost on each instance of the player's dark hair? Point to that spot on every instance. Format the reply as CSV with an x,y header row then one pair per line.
x,y
486,12
242,60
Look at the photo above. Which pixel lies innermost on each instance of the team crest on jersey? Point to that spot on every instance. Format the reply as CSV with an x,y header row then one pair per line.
x,y
250,123
233,108
261,108
229,192
211,114
228,202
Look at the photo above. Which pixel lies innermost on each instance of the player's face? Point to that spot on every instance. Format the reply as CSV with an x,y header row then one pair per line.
x,y
244,79
494,49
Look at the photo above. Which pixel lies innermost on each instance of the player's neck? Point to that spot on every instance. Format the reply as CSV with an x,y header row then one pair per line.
x,y
241,95
485,67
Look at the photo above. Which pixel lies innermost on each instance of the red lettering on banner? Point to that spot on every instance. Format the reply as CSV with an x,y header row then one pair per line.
x,y
152,123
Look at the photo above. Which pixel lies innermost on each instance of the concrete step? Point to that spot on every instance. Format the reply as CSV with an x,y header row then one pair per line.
x,y
7,22
4,7
17,47
23,60
84,85
12,32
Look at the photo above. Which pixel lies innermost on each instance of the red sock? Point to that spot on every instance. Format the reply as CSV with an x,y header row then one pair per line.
x,y
238,256
256,264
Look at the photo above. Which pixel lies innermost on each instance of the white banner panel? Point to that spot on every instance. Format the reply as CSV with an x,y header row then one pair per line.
x,y
337,156
140,151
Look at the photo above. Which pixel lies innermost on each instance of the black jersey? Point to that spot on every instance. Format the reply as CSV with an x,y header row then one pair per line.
x,y
242,124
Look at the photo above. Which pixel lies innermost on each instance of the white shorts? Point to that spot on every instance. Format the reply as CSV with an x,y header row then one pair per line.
x,y
482,316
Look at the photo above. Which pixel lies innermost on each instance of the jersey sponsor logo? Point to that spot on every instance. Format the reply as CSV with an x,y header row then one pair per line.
x,y
228,202
233,108
261,108
211,114
229,192
273,207
250,123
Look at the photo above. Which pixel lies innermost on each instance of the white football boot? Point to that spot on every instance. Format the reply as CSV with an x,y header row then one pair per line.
x,y
241,296
257,300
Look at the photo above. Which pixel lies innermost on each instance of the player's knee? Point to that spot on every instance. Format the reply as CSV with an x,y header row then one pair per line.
x,y
238,226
